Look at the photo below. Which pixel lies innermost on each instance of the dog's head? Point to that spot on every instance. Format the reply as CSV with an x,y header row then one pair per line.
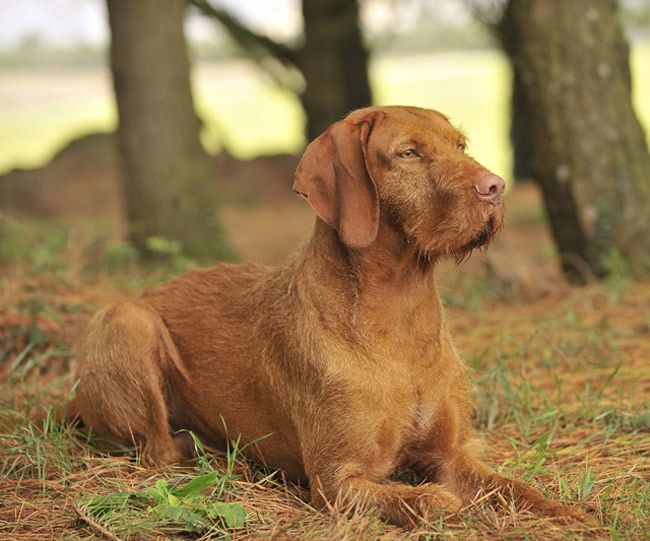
x,y
407,166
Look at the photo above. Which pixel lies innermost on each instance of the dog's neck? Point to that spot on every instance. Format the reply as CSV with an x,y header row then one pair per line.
x,y
390,258
375,285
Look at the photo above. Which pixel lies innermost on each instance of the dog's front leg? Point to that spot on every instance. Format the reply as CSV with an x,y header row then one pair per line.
x,y
466,476
398,503
469,478
348,466
444,456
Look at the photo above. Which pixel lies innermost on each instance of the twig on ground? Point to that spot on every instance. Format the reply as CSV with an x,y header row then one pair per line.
x,y
85,517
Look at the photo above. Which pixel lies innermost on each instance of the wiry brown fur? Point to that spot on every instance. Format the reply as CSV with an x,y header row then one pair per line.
x,y
337,364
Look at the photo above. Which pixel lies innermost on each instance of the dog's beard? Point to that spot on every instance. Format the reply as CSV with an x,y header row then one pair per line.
x,y
425,258
480,240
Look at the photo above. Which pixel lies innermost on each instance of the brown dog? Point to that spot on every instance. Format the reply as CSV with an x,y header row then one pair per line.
x,y
337,365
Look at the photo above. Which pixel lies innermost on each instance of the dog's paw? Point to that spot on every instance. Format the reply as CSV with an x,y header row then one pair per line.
x,y
559,512
428,504
443,501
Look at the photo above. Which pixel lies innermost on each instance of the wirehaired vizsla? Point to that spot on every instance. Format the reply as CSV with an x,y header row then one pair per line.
x,y
336,364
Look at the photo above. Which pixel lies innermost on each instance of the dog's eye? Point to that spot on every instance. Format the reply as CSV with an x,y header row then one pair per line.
x,y
409,153
462,146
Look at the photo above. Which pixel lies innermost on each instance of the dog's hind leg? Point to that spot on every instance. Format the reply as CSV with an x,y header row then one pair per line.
x,y
125,363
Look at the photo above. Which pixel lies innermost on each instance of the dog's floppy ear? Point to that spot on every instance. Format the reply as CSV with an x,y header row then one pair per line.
x,y
334,179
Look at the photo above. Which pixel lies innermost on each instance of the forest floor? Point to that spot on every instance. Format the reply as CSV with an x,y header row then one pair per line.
x,y
562,379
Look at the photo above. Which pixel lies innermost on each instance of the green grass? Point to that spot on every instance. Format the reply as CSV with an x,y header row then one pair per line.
x,y
249,115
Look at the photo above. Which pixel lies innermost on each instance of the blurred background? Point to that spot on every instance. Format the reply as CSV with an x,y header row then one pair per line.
x,y
546,91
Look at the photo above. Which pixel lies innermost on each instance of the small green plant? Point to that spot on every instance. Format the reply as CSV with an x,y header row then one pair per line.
x,y
565,490
188,507
583,489
165,506
585,484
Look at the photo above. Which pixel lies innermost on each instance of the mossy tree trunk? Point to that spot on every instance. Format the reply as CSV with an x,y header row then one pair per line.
x,y
168,178
334,62
587,148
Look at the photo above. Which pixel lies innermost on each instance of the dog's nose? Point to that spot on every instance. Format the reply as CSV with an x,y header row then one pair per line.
x,y
490,188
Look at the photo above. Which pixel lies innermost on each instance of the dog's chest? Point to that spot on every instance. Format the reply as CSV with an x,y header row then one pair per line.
x,y
418,384
400,418
409,397
422,411
421,392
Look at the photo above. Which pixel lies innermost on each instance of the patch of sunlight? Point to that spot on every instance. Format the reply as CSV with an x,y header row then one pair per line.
x,y
640,66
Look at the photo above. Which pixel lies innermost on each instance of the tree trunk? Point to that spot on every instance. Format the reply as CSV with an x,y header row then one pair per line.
x,y
168,179
588,150
519,138
334,62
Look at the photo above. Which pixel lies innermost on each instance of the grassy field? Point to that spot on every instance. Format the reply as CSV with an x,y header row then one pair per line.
x,y
41,110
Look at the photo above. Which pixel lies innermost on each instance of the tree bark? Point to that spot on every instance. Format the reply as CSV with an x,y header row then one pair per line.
x,y
334,62
168,179
588,150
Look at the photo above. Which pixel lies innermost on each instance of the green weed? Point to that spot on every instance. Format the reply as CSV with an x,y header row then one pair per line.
x,y
166,506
